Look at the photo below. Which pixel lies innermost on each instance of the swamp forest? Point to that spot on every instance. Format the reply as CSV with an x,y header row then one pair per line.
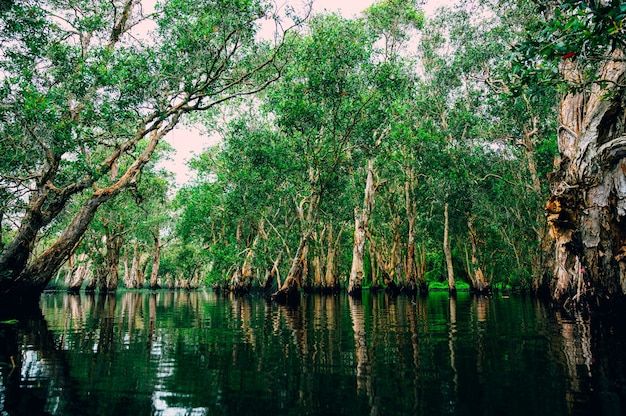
x,y
412,184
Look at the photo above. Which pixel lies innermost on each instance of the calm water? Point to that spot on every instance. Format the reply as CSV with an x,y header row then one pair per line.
x,y
178,353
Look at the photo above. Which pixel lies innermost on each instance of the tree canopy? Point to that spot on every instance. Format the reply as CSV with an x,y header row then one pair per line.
x,y
363,140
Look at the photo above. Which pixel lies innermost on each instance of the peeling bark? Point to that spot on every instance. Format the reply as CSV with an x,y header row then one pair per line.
x,y
271,274
385,268
587,206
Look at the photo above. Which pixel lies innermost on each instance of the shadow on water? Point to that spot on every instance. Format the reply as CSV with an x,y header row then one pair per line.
x,y
27,347
179,353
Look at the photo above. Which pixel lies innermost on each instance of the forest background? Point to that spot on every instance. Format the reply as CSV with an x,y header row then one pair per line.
x,y
388,149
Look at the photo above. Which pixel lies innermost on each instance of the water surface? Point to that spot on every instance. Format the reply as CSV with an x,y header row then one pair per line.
x,y
198,353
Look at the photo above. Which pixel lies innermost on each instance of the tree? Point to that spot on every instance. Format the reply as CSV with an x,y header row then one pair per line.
x,y
389,82
580,45
323,102
84,91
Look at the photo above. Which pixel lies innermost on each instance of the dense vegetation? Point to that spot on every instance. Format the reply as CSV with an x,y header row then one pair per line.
x,y
385,150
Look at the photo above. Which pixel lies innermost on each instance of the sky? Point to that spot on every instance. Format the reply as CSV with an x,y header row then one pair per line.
x,y
189,141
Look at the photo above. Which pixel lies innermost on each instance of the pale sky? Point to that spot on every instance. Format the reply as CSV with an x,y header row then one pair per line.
x,y
189,141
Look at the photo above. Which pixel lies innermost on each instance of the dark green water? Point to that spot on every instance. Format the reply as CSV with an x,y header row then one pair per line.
x,y
178,353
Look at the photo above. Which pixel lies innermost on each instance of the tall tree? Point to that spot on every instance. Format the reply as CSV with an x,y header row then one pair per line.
x,y
84,88
582,45
390,21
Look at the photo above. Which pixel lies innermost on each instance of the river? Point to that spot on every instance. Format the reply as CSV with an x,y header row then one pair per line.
x,y
199,353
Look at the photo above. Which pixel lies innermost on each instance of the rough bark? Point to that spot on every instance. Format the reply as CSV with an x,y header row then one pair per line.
x,y
587,206
243,277
137,268
289,291
448,251
317,272
410,272
45,203
113,261
361,217
374,270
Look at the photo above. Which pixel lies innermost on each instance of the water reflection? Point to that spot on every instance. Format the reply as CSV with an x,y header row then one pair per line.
x,y
171,353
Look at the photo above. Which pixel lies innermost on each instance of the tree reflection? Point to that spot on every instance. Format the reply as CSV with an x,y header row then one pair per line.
x,y
152,353
576,348
364,378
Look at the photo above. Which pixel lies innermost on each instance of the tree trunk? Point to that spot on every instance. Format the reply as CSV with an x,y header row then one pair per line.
x,y
448,252
43,206
331,282
290,289
243,277
305,283
113,262
475,271
156,262
587,206
374,267
317,272
361,217
107,273
30,279
421,269
272,274
126,280
80,274
410,273
384,267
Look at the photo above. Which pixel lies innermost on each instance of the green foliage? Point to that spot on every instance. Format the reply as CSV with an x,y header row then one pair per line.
x,y
84,91
583,31
456,125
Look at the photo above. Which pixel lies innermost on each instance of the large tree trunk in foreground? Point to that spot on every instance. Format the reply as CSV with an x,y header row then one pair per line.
x,y
587,206
361,217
